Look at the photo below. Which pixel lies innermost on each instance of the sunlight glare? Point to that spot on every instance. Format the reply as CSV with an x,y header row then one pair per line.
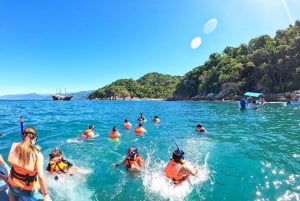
x,y
196,42
287,10
276,10
210,26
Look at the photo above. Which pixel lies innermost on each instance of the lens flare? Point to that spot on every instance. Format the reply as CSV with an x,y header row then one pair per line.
x,y
210,26
196,42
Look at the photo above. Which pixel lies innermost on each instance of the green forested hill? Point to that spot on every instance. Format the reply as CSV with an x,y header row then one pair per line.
x,y
151,85
265,64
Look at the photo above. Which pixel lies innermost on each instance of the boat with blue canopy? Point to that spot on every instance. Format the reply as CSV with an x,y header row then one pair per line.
x,y
251,101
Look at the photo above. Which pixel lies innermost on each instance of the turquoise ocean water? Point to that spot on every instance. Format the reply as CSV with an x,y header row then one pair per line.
x,y
250,155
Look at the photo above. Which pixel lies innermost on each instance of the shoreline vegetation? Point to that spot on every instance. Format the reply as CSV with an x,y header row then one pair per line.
x,y
280,97
268,65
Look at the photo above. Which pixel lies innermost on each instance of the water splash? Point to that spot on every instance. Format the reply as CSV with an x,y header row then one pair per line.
x,y
69,187
155,182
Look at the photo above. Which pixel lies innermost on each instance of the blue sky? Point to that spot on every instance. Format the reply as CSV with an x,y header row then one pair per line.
x,y
47,45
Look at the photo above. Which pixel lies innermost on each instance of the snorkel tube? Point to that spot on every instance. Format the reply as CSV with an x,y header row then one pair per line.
x,y
179,152
177,146
22,127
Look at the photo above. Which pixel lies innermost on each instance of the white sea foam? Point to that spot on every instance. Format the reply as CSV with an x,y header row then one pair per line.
x,y
155,182
74,140
69,187
80,139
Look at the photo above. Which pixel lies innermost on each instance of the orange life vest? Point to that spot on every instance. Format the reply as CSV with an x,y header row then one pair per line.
x,y
87,133
172,171
114,134
127,125
139,130
25,177
22,178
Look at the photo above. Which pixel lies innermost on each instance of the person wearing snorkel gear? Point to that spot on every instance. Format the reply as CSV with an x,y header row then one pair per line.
x,y
57,163
134,161
90,132
27,168
178,169
200,129
142,118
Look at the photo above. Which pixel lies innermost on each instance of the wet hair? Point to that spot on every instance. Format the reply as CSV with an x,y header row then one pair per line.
x,y
91,126
55,152
177,155
24,150
131,152
25,132
199,126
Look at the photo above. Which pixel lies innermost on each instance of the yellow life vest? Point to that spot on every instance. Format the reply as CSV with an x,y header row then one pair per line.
x,y
61,166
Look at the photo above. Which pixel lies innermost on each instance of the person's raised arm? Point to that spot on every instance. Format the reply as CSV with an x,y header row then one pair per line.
x,y
193,170
141,161
118,164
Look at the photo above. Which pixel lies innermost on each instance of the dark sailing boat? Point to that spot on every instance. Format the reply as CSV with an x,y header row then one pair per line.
x,y
61,97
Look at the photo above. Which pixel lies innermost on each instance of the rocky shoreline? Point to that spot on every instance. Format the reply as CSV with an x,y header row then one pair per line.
x,y
278,97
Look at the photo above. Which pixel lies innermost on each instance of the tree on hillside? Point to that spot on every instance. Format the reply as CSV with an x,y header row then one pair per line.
x,y
151,85
265,64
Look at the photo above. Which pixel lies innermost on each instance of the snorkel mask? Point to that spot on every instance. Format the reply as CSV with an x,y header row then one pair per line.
x,y
131,152
55,152
32,134
178,154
